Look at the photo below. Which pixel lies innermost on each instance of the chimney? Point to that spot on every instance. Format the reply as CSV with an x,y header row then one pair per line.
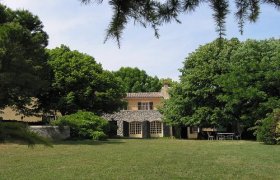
x,y
164,91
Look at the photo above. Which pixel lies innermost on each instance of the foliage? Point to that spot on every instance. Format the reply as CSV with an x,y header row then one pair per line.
x,y
11,131
194,100
168,81
136,80
23,71
234,84
269,130
155,13
84,125
79,83
252,85
22,57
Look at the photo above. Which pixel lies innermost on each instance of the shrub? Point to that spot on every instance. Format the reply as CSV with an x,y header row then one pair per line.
x,y
84,125
269,130
99,135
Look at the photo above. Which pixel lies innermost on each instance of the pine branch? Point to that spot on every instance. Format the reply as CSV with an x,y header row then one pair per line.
x,y
220,8
154,13
242,13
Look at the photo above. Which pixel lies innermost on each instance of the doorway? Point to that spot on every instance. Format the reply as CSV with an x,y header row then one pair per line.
x,y
184,132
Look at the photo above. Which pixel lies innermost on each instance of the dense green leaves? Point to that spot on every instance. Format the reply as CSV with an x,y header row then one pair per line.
x,y
136,80
232,84
269,129
251,87
154,13
85,125
79,83
22,57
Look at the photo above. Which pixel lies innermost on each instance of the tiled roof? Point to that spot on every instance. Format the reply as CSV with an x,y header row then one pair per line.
x,y
144,95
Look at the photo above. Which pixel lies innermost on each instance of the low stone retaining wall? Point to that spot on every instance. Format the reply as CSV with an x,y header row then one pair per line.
x,y
53,132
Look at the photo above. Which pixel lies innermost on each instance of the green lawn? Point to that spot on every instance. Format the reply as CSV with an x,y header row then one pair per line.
x,y
141,159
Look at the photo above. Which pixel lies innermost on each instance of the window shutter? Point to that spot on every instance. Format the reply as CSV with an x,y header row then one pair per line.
x,y
151,105
139,106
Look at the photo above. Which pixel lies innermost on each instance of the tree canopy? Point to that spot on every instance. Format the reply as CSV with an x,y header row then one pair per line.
x,y
23,63
79,83
136,80
154,13
22,57
236,83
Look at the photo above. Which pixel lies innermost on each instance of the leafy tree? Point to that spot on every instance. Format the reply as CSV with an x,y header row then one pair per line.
x,y
154,13
168,81
252,84
194,100
136,80
22,68
22,57
269,130
79,83
236,83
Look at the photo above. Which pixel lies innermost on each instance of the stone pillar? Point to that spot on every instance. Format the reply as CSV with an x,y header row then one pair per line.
x,y
120,128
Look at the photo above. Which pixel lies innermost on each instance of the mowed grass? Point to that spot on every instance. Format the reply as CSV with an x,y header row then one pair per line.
x,y
141,159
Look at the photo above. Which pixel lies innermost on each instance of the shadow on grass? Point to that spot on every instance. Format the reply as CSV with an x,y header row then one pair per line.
x,y
88,142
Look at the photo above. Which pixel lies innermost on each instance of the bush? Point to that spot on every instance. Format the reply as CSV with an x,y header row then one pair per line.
x,y
99,135
269,131
84,125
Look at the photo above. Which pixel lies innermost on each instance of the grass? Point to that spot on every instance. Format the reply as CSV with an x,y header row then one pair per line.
x,y
141,159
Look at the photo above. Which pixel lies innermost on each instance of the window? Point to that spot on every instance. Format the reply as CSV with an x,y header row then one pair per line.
x,y
145,106
156,127
194,129
135,128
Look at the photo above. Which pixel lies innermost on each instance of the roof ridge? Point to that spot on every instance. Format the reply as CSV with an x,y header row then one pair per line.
x,y
144,94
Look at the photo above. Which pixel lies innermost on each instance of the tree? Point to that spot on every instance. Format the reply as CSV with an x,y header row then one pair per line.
x,y
22,68
79,83
236,83
154,13
194,100
269,129
251,86
22,57
136,80
168,81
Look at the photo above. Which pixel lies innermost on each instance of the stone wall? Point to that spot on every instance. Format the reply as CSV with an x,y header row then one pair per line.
x,y
52,132
126,116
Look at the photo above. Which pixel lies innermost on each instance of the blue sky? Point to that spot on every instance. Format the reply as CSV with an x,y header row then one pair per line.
x,y
83,27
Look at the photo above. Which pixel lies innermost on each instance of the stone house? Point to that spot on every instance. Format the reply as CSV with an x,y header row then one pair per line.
x,y
141,118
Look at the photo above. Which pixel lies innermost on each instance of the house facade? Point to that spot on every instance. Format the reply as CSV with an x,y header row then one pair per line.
x,y
10,114
141,118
